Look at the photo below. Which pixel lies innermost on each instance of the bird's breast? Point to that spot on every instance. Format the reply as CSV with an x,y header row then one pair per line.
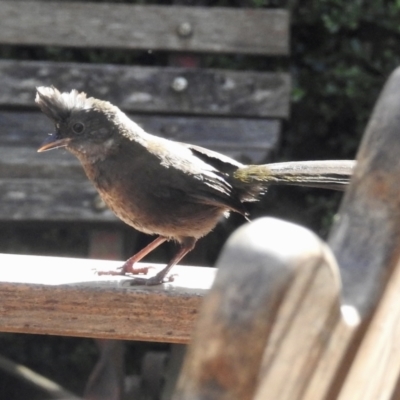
x,y
150,205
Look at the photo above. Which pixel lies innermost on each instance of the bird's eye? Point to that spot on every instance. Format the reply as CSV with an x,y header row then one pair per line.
x,y
78,127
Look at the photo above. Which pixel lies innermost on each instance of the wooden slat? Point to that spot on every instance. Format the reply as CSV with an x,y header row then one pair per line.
x,y
75,24
51,200
25,162
61,296
149,89
249,140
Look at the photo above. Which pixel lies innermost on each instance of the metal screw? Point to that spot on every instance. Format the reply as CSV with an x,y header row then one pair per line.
x,y
179,84
185,29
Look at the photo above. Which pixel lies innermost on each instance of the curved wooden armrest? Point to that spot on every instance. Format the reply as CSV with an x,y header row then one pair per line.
x,y
274,303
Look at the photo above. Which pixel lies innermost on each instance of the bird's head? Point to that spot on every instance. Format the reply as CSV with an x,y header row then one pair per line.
x,y
84,125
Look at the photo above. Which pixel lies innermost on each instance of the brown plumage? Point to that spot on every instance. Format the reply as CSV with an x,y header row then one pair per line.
x,y
174,190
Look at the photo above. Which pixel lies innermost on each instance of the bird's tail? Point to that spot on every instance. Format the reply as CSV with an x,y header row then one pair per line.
x,y
330,174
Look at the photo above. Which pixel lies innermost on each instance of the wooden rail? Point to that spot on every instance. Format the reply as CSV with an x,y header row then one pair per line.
x,y
64,296
189,29
214,92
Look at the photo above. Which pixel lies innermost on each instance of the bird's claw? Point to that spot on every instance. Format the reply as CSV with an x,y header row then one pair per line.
x,y
123,271
100,273
137,270
154,280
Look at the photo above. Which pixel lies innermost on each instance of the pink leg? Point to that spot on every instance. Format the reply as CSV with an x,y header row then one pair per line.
x,y
128,265
187,245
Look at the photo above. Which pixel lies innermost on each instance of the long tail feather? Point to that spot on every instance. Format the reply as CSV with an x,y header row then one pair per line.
x,y
330,174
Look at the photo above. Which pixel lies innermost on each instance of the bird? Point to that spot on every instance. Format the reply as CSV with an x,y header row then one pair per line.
x,y
176,191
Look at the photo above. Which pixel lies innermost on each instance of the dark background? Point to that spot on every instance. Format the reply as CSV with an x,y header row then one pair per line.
x,y
341,54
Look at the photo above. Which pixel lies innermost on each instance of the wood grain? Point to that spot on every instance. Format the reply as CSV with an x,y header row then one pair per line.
x,y
149,89
278,313
366,236
74,24
376,369
366,241
51,200
247,140
61,296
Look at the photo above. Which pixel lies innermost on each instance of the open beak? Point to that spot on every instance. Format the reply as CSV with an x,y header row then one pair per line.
x,y
52,142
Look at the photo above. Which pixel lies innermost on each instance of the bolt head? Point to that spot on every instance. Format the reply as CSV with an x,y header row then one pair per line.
x,y
179,84
98,204
185,29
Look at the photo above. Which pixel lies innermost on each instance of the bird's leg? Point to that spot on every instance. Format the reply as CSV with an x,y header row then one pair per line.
x,y
128,265
186,246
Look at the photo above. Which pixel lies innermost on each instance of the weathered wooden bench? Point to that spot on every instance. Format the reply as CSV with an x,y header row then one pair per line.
x,y
174,95
288,316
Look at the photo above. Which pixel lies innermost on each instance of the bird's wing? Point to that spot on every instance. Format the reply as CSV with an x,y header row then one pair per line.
x,y
199,176
219,161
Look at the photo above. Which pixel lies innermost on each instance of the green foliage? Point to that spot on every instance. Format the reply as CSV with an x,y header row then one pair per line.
x,y
342,52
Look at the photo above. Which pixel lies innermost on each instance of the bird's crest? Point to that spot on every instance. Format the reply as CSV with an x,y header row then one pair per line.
x,y
59,106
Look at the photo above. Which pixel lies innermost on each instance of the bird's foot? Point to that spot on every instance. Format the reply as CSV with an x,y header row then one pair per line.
x,y
127,269
154,280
